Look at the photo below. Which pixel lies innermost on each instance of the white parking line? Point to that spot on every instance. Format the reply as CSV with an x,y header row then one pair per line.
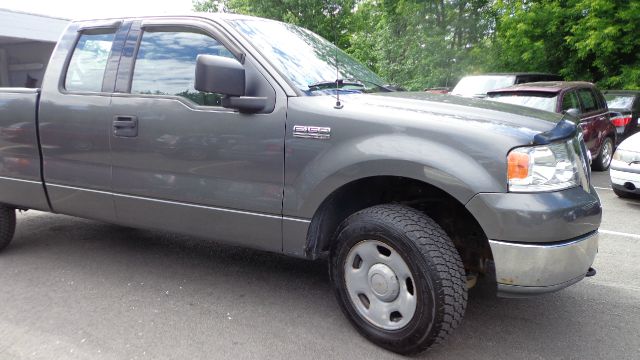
x,y
601,188
635,236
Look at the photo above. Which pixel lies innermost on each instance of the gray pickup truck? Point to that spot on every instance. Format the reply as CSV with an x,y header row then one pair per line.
x,y
236,129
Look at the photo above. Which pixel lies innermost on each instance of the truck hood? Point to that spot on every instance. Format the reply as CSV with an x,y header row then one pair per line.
x,y
525,121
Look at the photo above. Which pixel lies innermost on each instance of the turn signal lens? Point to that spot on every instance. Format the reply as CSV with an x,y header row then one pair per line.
x,y
518,165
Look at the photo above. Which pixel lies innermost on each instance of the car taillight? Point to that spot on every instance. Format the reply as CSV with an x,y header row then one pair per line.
x,y
621,120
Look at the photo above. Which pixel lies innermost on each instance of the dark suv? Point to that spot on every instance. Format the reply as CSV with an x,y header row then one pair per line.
x,y
478,85
581,99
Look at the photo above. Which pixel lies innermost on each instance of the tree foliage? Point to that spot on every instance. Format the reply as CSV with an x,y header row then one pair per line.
x,y
593,40
429,43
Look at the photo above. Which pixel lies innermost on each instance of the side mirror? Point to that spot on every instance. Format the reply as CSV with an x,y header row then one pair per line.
x,y
226,76
573,112
221,75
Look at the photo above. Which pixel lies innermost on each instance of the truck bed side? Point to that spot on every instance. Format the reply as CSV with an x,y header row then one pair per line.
x,y
20,165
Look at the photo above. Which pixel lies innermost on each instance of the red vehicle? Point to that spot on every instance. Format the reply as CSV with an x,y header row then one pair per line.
x,y
581,99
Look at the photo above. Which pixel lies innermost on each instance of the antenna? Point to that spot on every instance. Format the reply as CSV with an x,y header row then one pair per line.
x,y
335,43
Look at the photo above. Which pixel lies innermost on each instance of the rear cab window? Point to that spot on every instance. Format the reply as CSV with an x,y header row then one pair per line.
x,y
85,72
536,100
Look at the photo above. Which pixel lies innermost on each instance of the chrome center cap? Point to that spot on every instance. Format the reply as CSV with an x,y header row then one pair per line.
x,y
383,282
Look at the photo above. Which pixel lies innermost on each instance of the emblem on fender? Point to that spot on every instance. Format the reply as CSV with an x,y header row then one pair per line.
x,y
311,132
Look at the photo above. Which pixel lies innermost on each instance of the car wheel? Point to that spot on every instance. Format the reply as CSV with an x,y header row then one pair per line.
x,y
7,225
398,278
603,160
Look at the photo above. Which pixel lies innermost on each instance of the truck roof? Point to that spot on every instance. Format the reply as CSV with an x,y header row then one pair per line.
x,y
221,16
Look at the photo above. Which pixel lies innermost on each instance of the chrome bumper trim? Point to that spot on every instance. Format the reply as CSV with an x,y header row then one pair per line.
x,y
528,269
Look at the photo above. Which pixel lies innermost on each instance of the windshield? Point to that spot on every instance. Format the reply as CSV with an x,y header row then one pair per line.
x,y
619,101
306,58
479,85
542,101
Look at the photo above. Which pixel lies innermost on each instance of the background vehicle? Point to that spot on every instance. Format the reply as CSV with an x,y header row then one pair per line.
x,y
228,128
581,99
625,168
625,109
479,85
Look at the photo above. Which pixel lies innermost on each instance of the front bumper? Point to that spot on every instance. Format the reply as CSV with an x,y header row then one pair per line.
x,y
525,269
546,217
541,242
627,181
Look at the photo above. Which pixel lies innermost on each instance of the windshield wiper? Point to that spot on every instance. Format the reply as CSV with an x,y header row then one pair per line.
x,y
352,82
392,87
334,84
387,88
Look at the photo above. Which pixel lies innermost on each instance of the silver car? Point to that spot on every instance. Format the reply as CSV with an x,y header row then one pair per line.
x,y
625,168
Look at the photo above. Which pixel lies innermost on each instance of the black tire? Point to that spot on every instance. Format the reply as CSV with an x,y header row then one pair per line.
x,y
602,161
7,225
625,195
436,266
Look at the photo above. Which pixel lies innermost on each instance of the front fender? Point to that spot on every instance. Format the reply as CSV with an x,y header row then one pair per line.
x,y
437,164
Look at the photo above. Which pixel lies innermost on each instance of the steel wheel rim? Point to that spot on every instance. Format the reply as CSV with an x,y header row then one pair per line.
x,y
369,272
606,152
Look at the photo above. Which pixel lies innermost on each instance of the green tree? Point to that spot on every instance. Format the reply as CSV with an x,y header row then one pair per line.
x,y
329,19
605,40
412,43
428,43
592,40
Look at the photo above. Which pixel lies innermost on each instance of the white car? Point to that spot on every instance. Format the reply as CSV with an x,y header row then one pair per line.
x,y
625,168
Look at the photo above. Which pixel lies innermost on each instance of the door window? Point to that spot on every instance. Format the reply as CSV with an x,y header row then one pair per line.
x,y
570,101
589,102
602,103
89,61
166,63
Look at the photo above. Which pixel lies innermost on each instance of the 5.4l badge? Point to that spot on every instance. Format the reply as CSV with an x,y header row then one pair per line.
x,y
311,132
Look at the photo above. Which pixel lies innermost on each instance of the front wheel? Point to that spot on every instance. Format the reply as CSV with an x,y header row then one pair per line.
x,y
398,278
603,160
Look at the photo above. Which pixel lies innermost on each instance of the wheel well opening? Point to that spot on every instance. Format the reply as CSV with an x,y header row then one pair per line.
x,y
463,229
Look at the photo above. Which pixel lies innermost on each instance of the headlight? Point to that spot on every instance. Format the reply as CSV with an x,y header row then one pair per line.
x,y
626,156
543,168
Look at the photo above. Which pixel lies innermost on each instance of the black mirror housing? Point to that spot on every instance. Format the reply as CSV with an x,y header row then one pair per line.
x,y
221,75
240,86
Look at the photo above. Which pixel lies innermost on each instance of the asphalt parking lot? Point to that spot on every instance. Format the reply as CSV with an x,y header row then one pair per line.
x,y
79,289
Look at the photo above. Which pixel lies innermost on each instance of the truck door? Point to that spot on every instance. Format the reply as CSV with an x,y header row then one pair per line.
x,y
590,120
181,161
75,120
